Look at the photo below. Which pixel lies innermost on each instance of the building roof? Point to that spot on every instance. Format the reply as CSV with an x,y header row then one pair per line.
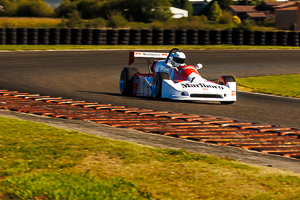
x,y
286,4
257,15
273,3
243,8
178,13
289,8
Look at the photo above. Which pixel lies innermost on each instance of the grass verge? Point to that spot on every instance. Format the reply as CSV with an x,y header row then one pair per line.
x,y
29,22
283,85
134,47
41,162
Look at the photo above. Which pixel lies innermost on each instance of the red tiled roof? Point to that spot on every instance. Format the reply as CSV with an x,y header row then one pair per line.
x,y
243,8
289,8
256,15
287,4
273,3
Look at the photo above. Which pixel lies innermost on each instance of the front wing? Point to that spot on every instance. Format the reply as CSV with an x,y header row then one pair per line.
x,y
207,91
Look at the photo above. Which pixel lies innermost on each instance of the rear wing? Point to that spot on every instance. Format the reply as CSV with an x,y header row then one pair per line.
x,y
134,54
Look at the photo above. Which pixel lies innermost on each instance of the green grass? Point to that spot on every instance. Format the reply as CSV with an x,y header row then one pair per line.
x,y
29,22
42,162
51,185
134,47
283,85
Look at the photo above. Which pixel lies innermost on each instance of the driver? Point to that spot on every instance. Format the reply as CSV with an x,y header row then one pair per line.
x,y
178,59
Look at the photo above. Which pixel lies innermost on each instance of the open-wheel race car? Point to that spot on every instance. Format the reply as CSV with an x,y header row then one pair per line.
x,y
171,78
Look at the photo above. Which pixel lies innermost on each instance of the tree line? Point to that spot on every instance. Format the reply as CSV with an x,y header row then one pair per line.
x,y
117,13
133,10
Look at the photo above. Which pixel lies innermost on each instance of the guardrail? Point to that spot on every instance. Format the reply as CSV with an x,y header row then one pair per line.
x,y
64,36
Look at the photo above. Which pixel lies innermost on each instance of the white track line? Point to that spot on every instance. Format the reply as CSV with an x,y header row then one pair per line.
x,y
270,95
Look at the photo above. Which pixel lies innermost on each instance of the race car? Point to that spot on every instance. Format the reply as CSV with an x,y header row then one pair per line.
x,y
171,78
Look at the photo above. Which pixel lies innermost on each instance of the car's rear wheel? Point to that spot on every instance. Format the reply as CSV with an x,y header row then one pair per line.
x,y
126,80
223,80
157,84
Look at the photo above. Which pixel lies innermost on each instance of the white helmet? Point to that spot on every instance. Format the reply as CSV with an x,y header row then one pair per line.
x,y
178,59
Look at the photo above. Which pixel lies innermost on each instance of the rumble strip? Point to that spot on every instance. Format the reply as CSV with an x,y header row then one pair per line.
x,y
271,139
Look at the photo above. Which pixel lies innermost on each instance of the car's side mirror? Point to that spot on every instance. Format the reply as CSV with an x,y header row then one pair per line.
x,y
198,66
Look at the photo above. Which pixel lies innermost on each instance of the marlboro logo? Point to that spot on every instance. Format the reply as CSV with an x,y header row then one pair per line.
x,y
150,55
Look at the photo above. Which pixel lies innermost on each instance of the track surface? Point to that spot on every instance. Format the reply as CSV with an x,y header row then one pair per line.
x,y
93,76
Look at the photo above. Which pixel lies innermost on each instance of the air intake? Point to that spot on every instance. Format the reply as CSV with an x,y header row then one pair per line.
x,y
206,95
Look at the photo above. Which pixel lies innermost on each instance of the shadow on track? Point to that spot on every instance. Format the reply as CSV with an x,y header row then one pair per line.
x,y
141,98
105,93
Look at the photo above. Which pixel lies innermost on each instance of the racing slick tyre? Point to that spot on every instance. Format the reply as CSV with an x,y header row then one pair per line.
x,y
157,84
223,80
126,80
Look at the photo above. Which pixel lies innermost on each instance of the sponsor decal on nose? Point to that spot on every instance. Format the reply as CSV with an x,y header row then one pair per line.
x,y
202,85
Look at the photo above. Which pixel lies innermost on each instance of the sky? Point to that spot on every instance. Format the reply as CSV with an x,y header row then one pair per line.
x,y
53,3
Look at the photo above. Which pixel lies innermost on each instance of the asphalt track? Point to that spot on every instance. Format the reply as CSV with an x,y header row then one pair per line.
x,y
93,76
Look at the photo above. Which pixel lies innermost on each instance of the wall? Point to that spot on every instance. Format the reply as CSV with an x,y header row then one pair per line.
x,y
65,36
285,19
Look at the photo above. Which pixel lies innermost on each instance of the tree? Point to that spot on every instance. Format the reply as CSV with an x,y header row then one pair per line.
x,y
236,20
140,11
34,8
27,8
224,3
245,2
74,20
215,12
10,8
226,18
116,20
66,7
132,10
89,9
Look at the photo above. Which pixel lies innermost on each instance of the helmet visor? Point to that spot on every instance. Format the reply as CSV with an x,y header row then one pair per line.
x,y
179,60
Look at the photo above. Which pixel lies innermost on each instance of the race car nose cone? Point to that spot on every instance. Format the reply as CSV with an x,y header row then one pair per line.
x,y
184,94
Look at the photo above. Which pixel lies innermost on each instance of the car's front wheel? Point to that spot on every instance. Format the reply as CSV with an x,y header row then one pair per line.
x,y
223,80
157,84
126,80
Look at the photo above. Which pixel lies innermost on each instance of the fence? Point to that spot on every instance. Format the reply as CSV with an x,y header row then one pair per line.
x,y
65,36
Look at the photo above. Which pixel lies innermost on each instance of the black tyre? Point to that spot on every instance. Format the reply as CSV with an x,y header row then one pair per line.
x,y
157,84
126,80
223,80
